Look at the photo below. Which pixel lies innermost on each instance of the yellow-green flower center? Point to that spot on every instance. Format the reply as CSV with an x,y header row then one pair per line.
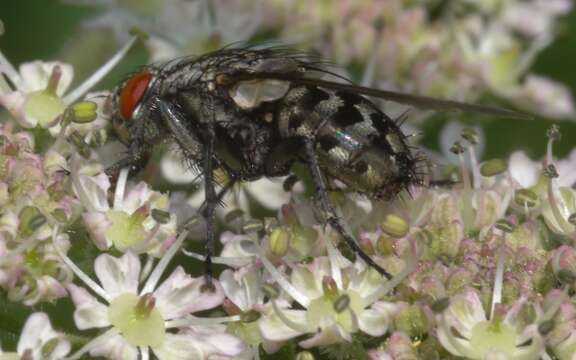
x,y
126,230
44,106
137,320
331,307
493,336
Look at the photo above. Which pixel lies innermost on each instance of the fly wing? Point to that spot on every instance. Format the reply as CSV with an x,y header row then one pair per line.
x,y
419,101
424,102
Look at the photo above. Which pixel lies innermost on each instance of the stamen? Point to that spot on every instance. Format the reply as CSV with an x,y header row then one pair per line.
x,y
145,352
474,165
499,279
250,298
54,79
230,261
76,270
458,149
335,261
120,189
285,284
553,135
192,320
148,266
162,264
411,261
100,73
291,324
145,305
77,184
550,171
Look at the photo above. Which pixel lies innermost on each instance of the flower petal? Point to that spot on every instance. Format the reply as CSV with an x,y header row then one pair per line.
x,y
272,328
181,294
328,336
35,75
115,347
118,275
198,343
89,313
36,333
375,321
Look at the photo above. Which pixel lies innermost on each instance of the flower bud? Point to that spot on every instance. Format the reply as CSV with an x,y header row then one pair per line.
x,y
49,347
31,219
550,171
304,355
394,226
493,167
385,245
253,226
505,226
279,241
412,321
160,216
440,305
83,112
329,286
457,148
553,133
342,303
526,198
250,316
471,136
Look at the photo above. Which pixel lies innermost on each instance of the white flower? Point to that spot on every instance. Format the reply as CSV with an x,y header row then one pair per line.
x,y
138,315
39,97
464,330
39,89
138,219
243,287
333,310
38,341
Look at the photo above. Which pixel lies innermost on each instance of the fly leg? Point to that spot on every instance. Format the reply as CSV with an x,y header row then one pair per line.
x,y
332,219
202,209
179,128
136,160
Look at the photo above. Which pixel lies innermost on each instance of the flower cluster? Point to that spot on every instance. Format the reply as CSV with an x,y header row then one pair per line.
x,y
481,268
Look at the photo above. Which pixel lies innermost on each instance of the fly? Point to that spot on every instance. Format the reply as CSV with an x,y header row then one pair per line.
x,y
253,113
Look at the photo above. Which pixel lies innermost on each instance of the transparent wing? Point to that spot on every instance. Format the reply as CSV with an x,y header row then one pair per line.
x,y
419,101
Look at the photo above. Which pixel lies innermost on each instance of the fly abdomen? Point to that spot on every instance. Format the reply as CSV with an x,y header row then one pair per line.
x,y
356,143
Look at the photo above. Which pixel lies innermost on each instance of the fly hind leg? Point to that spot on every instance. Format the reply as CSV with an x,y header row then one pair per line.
x,y
332,219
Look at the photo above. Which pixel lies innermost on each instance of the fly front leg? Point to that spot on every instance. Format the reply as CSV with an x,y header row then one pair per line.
x,y
136,160
180,129
137,155
332,219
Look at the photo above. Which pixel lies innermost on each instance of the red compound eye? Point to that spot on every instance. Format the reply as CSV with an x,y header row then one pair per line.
x,y
132,92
